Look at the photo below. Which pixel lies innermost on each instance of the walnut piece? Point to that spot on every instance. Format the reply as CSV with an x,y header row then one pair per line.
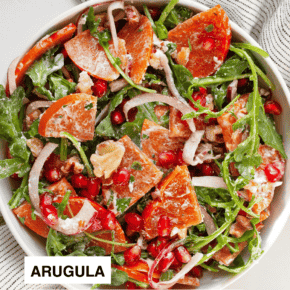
x,y
107,159
35,145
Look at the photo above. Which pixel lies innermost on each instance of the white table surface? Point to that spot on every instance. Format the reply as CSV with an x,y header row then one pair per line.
x,y
21,19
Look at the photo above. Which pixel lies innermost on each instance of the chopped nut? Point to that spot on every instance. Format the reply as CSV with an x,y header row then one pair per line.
x,y
85,84
155,61
73,164
107,159
214,133
35,145
32,117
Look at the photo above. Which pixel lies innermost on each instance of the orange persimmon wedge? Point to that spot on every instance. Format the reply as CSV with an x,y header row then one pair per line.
x,y
41,47
139,42
88,55
177,200
209,34
74,114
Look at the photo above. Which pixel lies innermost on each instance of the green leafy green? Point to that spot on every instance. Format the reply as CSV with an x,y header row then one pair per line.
x,y
118,259
118,277
91,22
54,244
60,86
95,251
177,15
63,203
168,275
209,28
136,165
122,203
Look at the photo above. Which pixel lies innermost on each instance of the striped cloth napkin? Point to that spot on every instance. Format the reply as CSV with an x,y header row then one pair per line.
x,y
267,21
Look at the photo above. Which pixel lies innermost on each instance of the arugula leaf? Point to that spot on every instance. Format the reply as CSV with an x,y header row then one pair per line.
x,y
63,203
91,22
54,245
247,165
268,133
19,193
60,86
33,130
123,203
42,68
118,277
168,275
118,258
136,165
95,251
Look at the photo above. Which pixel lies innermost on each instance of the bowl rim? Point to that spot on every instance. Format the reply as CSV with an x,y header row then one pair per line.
x,y
194,5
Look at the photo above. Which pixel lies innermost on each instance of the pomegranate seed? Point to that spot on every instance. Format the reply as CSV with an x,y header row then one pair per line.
x,y
131,114
121,177
130,285
243,213
184,122
132,255
117,118
179,158
166,262
272,107
156,246
93,187
134,220
197,271
163,227
199,96
242,82
109,221
84,193
64,52
207,170
79,181
155,13
100,88
15,176
130,231
208,44
175,263
273,174
182,254
52,175
45,199
167,159
49,212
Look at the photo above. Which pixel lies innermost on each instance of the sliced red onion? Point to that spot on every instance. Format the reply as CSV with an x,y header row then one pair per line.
x,y
117,85
209,181
11,75
37,104
132,14
35,174
208,221
78,223
167,284
168,73
25,101
191,145
184,108
114,6
102,114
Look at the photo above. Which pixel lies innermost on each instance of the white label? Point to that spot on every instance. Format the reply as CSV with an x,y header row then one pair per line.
x,y
67,270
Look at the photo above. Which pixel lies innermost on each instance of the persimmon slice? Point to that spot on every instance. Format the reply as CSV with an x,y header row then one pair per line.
x,y
139,43
177,200
87,54
41,47
74,114
38,225
209,34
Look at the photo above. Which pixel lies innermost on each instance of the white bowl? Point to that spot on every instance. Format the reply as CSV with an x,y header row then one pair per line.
x,y
34,245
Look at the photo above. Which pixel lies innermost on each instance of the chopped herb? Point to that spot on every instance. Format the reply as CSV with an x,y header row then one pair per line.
x,y
89,106
136,165
140,30
132,179
209,28
22,219
144,136
189,44
122,204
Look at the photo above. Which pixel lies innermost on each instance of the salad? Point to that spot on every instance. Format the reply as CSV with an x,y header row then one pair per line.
x,y
147,136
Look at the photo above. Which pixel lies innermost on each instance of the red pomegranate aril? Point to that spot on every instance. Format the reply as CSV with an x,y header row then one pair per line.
x,y
208,44
52,175
207,170
182,254
175,263
155,13
167,159
96,224
45,199
272,107
132,255
242,82
164,227
156,246
197,271
121,177
49,213
79,181
243,213
130,231
199,96
166,262
179,157
134,220
202,90
117,118
272,173
109,221
100,88
93,186
131,286
152,249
